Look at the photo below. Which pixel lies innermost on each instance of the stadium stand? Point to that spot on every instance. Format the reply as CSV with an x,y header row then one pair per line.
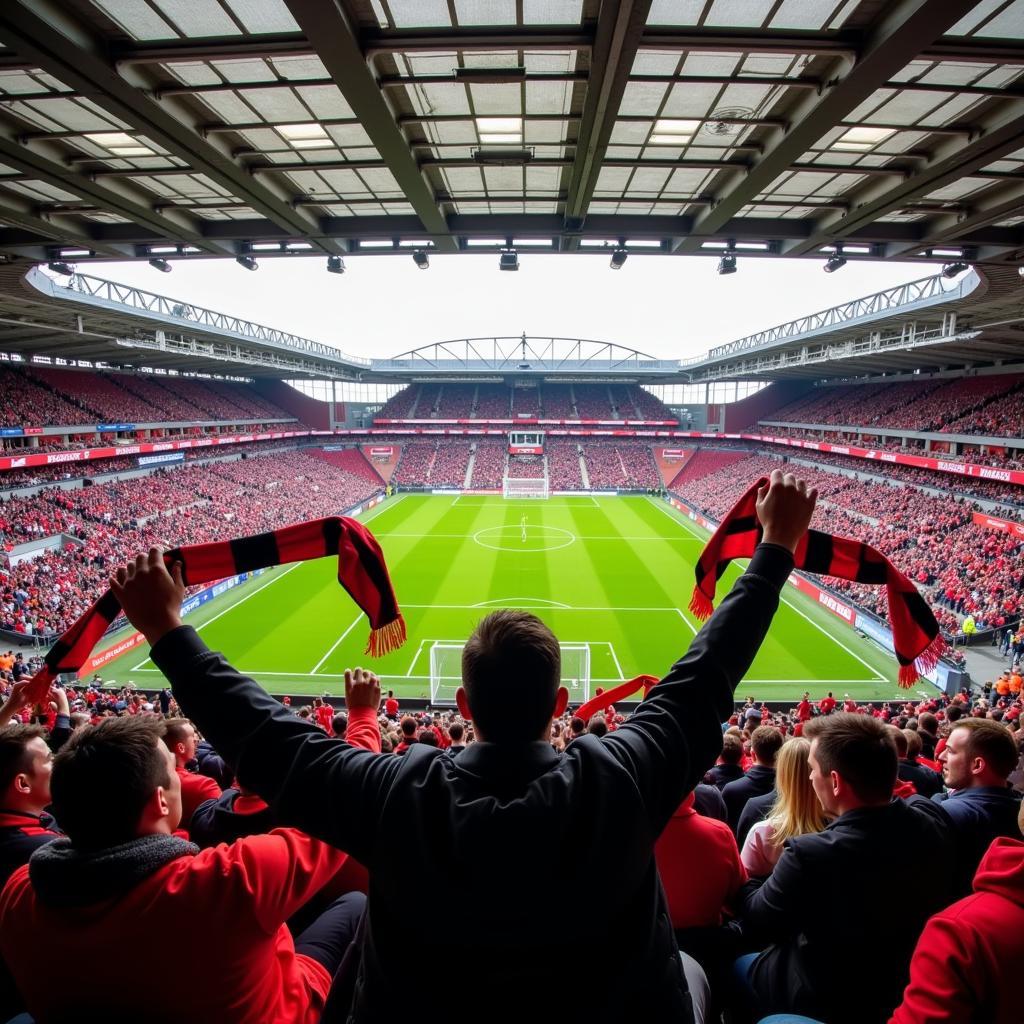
x,y
556,402
489,465
564,465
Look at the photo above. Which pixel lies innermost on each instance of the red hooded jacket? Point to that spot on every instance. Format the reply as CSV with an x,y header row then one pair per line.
x,y
962,969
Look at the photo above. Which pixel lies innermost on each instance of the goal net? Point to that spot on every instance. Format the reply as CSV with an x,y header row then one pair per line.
x,y
446,672
513,487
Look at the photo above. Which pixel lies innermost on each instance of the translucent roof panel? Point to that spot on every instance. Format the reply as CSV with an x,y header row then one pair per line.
x,y
418,13
138,19
676,12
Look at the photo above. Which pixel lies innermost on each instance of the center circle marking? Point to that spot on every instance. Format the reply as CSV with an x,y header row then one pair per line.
x,y
513,538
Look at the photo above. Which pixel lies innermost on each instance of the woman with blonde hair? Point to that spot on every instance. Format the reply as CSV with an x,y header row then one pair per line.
x,y
796,810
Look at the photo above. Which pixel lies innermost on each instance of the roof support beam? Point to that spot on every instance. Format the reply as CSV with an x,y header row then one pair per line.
x,y
999,134
904,29
16,211
339,49
46,32
620,27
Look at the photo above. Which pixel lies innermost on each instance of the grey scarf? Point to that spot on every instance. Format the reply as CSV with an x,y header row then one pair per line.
x,y
63,876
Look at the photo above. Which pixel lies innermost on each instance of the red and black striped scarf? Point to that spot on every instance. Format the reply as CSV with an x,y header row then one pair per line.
x,y
916,636
361,571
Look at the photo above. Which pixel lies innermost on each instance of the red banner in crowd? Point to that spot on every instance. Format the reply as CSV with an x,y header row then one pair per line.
x,y
994,523
528,421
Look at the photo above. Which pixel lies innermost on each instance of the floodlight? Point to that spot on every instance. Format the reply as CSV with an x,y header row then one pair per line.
x,y
162,265
421,259
335,265
509,260
951,270
727,264
62,268
835,262
247,261
618,258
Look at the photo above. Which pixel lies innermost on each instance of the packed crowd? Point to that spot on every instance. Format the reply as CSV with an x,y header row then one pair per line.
x,y
489,465
622,464
961,567
564,465
186,505
970,405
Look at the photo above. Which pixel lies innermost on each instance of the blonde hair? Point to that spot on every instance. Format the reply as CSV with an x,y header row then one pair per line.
x,y
796,810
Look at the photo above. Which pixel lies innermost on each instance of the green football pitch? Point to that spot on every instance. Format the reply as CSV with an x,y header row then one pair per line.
x,y
614,574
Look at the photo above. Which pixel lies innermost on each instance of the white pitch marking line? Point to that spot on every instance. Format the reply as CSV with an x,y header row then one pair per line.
x,y
611,648
690,625
230,607
570,608
876,675
462,536
334,646
416,657
504,601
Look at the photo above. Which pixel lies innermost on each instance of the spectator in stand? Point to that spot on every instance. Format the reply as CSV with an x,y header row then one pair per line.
x,y
795,811
963,969
759,779
928,733
976,762
123,879
727,768
926,781
501,820
409,730
846,963
180,737
457,735
827,704
391,706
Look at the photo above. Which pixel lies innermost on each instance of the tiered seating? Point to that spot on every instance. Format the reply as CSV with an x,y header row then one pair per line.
x,y
525,467
108,402
592,401
430,395
351,460
556,402
401,404
563,465
28,403
414,465
456,401
524,402
492,402
647,406
450,464
623,464
704,462
489,465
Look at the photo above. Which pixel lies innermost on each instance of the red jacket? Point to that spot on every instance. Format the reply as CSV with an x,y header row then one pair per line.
x,y
215,922
963,967
694,847
194,790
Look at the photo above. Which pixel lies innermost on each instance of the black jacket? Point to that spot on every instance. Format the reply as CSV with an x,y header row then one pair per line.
x,y
757,809
721,775
926,781
216,821
514,830
838,943
758,781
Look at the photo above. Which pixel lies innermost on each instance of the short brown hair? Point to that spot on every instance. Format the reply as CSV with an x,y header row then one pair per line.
x,y
104,775
766,741
176,731
900,740
859,748
913,743
991,741
511,668
732,749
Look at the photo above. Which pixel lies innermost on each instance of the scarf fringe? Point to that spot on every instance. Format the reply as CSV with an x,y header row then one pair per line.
x,y
923,663
386,639
700,604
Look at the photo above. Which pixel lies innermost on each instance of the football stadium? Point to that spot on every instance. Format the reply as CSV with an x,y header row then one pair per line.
x,y
516,532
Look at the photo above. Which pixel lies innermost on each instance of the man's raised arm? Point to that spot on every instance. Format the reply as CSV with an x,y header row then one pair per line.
x,y
323,786
676,733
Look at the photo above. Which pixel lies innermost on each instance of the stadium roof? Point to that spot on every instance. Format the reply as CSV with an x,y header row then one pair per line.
x,y
934,323
781,127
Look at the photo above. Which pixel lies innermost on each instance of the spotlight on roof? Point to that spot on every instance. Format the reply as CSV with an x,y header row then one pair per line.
x,y
835,262
727,264
509,260
618,258
951,270
335,265
421,259
161,265
62,268
247,261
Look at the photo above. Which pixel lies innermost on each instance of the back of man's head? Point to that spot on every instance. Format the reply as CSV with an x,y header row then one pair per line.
x,y
954,713
991,742
928,722
765,742
858,748
177,730
339,724
900,740
456,732
732,749
408,727
15,754
511,667
598,726
103,778
913,744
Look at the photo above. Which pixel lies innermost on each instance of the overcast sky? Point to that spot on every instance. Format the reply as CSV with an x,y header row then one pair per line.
x,y
670,307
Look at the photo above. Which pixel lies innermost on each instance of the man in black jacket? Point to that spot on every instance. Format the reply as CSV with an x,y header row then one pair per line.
x,y
511,823
765,743
838,947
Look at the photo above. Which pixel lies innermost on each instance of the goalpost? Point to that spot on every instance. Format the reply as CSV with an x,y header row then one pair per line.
x,y
446,672
513,487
